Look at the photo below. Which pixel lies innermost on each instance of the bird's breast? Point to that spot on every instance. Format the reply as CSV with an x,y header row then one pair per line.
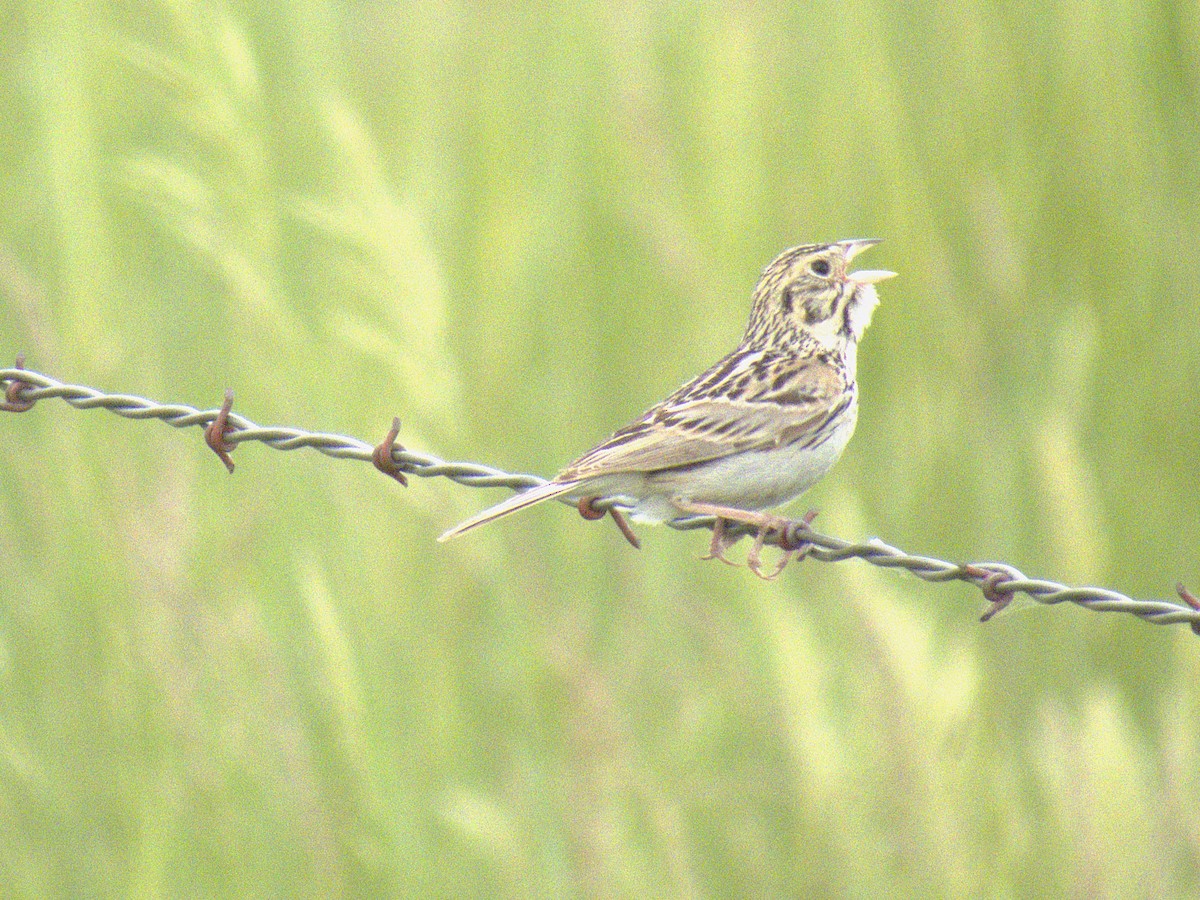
x,y
759,479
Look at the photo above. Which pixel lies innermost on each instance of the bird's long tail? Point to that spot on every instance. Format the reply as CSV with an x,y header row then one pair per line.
x,y
511,505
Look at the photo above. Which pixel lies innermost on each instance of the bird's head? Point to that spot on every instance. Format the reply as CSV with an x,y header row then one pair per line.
x,y
809,294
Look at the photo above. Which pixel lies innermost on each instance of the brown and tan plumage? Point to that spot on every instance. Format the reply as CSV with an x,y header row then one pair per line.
x,y
757,428
782,401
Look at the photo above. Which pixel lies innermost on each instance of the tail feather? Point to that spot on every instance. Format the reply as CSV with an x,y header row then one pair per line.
x,y
516,502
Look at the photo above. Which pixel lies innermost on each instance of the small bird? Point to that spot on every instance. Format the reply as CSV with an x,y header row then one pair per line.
x,y
757,429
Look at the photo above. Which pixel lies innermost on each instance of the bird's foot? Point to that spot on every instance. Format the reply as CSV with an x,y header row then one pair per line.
x,y
720,543
792,546
766,525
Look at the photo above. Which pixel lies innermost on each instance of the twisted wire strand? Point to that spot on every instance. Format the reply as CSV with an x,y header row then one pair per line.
x,y
999,582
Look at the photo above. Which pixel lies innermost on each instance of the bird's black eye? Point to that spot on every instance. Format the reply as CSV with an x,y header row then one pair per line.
x,y
820,267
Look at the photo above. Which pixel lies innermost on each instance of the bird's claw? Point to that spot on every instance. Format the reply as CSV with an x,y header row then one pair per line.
x,y
790,543
720,543
792,549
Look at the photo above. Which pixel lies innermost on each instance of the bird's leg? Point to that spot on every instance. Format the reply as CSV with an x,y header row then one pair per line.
x,y
589,512
720,543
765,523
754,560
788,543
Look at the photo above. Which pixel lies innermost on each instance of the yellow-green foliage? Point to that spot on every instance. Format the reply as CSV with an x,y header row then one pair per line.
x,y
516,228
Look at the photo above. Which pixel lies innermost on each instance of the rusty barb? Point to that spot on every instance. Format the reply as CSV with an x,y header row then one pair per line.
x,y
382,457
216,433
592,513
224,430
14,390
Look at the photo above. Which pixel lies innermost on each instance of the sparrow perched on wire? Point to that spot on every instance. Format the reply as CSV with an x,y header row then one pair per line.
x,y
757,429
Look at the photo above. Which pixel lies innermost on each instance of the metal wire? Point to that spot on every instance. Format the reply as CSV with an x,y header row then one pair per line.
x,y
998,582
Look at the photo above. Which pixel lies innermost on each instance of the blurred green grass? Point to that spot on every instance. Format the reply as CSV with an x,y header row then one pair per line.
x,y
516,229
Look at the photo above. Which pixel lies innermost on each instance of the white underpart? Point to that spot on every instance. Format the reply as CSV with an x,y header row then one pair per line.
x,y
861,309
756,480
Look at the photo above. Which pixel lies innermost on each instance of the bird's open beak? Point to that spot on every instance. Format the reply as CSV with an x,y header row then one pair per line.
x,y
867,276
870,276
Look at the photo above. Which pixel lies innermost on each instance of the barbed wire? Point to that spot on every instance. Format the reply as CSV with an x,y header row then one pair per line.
x,y
224,430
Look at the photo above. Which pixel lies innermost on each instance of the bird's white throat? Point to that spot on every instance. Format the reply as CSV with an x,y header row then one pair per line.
x,y
862,307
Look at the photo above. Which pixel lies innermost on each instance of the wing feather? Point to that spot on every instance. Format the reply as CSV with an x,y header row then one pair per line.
x,y
757,401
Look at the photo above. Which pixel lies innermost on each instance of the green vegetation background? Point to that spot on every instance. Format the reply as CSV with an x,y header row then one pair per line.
x,y
517,229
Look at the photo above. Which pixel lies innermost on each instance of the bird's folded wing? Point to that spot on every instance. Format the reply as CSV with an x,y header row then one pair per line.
x,y
688,430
